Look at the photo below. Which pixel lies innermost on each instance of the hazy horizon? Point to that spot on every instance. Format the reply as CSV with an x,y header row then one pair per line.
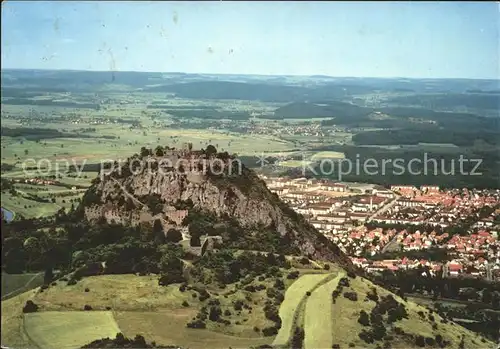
x,y
407,40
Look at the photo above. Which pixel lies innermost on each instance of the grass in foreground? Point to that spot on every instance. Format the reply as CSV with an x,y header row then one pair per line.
x,y
13,334
293,297
169,328
69,330
318,320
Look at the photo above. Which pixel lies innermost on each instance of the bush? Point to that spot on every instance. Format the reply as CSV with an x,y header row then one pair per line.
x,y
351,274
185,304
378,331
87,289
270,331
366,336
196,324
420,341
256,329
308,293
87,307
344,282
399,330
30,307
173,235
204,295
71,282
293,275
238,305
430,341
108,308
170,278
227,312
215,313
335,346
326,266
182,287
372,295
195,241
364,318
353,296
279,284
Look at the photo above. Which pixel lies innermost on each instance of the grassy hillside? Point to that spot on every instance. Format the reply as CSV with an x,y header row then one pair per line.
x,y
61,330
420,322
138,305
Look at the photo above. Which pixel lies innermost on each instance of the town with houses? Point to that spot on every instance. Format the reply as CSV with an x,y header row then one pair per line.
x,y
369,222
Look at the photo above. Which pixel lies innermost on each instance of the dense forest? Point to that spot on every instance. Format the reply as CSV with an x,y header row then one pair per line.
x,y
447,101
416,136
37,134
50,103
393,174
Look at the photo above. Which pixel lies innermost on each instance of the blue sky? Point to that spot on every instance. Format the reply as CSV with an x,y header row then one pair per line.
x,y
366,39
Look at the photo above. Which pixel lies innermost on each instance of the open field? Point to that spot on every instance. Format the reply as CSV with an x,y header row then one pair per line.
x,y
14,284
327,155
294,163
169,327
69,330
121,292
28,208
293,297
318,323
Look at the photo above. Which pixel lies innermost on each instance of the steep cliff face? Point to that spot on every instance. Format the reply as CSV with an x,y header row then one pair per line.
x,y
237,192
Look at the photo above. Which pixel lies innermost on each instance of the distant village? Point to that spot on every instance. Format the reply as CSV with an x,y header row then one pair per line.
x,y
370,222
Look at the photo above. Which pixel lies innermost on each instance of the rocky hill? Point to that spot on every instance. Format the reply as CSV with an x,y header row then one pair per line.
x,y
168,185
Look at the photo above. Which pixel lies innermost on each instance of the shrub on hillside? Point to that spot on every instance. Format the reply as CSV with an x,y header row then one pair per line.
x,y
87,307
353,296
420,341
270,331
305,261
238,305
364,319
185,304
344,282
30,307
372,295
293,275
173,235
430,341
195,241
366,336
199,324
